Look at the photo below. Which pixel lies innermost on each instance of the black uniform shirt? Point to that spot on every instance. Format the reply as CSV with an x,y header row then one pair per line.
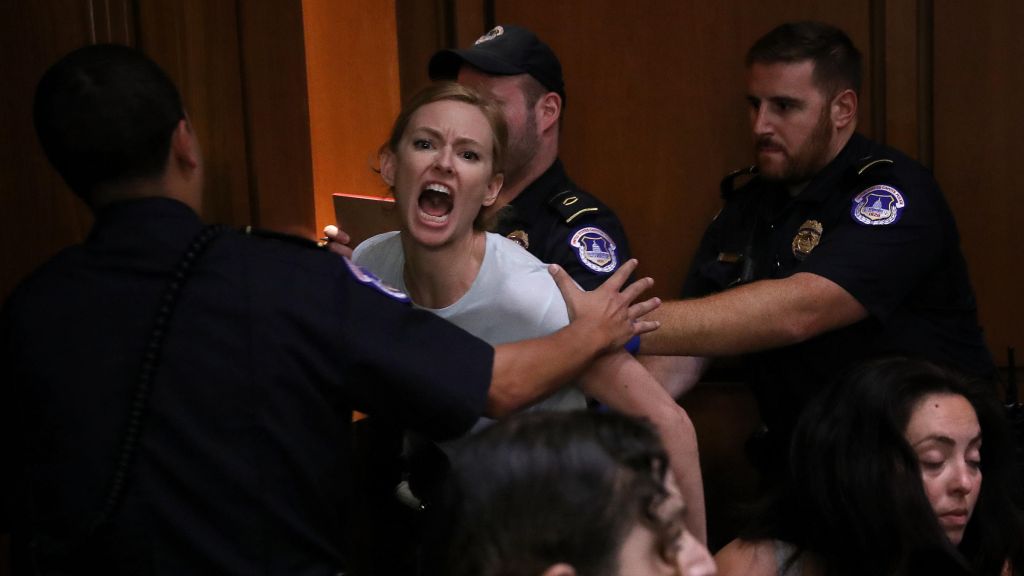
x,y
244,461
561,224
874,222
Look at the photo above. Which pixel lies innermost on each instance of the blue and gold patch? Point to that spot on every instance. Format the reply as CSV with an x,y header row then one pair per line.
x,y
364,276
595,249
879,205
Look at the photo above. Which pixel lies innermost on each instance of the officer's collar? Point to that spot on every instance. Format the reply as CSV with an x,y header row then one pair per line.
x,y
533,198
132,209
825,181
145,217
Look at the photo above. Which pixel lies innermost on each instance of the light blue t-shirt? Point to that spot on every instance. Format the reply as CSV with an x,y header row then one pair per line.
x,y
512,298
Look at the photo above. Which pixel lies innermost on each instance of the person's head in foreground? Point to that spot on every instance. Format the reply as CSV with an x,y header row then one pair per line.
x,y
565,493
901,467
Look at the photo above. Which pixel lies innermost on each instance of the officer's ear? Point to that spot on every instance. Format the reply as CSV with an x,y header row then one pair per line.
x,y
387,166
185,145
844,109
548,111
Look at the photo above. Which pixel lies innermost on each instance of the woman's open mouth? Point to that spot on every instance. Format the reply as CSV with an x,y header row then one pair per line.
x,y
436,203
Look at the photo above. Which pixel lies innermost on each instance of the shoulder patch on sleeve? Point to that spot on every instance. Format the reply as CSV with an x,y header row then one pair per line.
x,y
364,276
573,204
595,249
878,205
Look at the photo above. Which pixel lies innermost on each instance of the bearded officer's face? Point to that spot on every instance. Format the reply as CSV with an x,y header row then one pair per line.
x,y
509,93
790,116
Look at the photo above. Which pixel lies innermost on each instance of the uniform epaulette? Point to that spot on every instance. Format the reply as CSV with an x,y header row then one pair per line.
x,y
728,184
283,237
862,166
868,168
572,205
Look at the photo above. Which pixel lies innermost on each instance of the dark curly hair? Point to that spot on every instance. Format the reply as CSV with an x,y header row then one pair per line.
x,y
548,487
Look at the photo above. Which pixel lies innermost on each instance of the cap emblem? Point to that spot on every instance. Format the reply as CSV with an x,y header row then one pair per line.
x,y
490,35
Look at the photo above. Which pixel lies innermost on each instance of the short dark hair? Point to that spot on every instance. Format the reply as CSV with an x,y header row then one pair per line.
x,y
104,114
837,62
853,496
547,487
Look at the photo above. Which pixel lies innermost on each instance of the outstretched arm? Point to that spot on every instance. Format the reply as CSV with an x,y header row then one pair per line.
x,y
757,316
620,382
677,374
602,320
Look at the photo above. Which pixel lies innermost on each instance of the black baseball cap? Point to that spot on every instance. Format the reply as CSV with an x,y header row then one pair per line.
x,y
505,50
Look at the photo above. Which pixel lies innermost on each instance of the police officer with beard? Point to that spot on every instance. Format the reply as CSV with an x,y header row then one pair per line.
x,y
539,206
829,250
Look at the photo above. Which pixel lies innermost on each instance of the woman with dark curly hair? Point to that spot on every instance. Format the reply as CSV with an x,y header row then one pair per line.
x,y
886,477
564,493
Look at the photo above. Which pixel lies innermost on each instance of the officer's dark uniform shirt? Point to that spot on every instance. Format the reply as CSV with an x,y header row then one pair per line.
x,y
561,224
244,461
874,222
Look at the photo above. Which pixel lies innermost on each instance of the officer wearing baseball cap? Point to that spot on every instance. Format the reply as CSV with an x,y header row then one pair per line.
x,y
539,206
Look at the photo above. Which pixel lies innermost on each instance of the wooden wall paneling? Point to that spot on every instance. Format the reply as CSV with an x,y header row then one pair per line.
x,y
272,54
902,96
656,113
197,43
354,95
978,81
470,22
426,27
422,29
925,32
40,214
113,21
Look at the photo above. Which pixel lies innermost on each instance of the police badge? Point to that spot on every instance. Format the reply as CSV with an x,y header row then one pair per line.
x,y
595,249
520,237
806,239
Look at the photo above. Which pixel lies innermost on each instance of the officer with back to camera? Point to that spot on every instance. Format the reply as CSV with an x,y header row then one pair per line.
x,y
178,397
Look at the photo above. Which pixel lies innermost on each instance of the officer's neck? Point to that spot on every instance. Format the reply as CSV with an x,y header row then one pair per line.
x,y
835,147
795,190
515,184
